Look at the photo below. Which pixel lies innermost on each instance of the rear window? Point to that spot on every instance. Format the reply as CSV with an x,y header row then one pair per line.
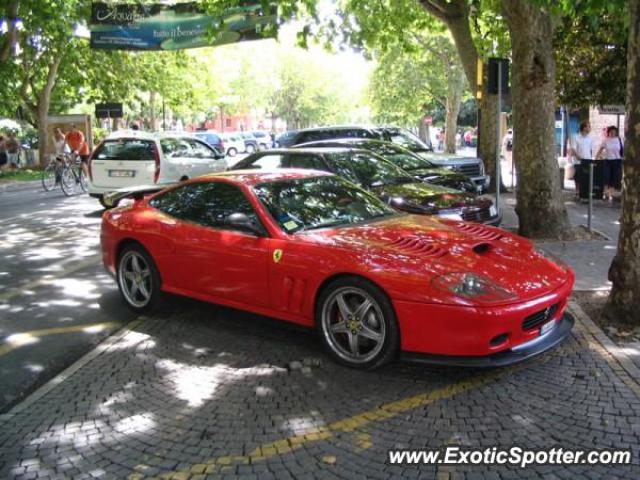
x,y
126,149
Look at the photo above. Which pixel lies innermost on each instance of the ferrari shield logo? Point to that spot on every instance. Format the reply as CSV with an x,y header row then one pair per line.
x,y
277,255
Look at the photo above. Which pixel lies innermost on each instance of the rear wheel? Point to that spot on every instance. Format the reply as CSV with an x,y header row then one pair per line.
x,y
105,205
232,152
84,183
50,177
138,279
357,323
250,148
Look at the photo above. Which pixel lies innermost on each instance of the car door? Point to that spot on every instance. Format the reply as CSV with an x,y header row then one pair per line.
x,y
216,260
203,159
178,158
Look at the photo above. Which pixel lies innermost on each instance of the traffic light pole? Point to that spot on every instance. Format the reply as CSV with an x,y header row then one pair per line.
x,y
498,142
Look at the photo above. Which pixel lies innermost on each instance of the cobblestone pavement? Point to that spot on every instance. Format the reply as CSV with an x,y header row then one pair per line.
x,y
206,391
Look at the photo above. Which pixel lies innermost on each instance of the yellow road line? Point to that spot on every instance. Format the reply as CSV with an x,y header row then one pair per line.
x,y
17,291
17,340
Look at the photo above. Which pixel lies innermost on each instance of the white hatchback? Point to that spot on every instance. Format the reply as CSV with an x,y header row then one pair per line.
x,y
132,158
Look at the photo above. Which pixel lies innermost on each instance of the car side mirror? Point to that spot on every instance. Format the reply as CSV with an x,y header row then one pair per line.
x,y
241,221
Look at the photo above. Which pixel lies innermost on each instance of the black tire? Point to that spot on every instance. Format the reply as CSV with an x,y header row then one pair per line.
x,y
232,152
104,204
135,299
49,180
383,350
84,183
250,149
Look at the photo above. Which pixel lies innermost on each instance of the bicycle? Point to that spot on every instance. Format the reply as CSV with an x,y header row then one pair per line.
x,y
52,173
72,176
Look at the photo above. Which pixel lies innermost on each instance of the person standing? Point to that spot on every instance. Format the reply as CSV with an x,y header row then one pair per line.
x,y
612,149
581,149
12,146
3,153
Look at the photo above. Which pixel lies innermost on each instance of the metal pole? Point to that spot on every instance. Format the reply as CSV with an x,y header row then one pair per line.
x,y
164,118
590,195
498,131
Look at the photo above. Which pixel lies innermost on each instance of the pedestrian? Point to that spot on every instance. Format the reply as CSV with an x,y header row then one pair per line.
x,y
612,150
441,137
507,150
12,145
3,153
581,149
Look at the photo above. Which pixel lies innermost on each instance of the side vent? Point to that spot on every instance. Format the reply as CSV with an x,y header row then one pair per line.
x,y
419,246
479,231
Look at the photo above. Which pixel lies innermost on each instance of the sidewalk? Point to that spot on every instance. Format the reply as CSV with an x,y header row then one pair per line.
x,y
590,259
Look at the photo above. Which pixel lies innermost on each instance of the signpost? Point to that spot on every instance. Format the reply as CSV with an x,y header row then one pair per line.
x,y
109,110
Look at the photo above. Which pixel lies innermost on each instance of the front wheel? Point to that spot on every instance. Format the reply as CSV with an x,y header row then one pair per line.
x,y
250,149
357,323
138,279
50,177
232,152
68,181
105,205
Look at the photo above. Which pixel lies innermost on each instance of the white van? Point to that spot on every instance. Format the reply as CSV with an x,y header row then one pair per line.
x,y
233,143
131,158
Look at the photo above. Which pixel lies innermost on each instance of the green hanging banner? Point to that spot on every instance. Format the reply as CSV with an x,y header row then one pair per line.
x,y
118,26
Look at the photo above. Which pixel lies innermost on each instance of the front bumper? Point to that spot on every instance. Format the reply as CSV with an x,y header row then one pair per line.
x,y
516,354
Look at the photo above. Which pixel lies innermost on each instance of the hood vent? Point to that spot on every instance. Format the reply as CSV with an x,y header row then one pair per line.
x,y
418,245
479,231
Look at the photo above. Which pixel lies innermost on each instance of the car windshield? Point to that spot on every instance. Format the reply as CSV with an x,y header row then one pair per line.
x,y
319,202
401,157
408,140
368,169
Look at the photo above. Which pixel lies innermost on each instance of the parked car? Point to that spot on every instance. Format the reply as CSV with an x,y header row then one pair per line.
x,y
413,163
213,139
285,139
250,142
312,249
264,139
389,182
469,166
129,158
233,143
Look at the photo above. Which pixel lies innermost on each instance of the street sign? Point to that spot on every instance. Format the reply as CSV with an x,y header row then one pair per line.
x,y
109,110
498,67
611,110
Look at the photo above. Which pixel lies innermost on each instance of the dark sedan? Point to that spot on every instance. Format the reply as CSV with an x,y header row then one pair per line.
x,y
419,167
388,181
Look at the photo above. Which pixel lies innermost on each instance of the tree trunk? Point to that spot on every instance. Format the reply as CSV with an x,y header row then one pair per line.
x,y
455,86
152,111
44,100
624,273
541,211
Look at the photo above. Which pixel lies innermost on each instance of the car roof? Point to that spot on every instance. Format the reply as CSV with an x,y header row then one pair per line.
x,y
344,141
144,135
255,177
316,150
337,127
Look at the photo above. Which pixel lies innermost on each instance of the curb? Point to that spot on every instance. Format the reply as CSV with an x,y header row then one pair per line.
x,y
70,370
20,186
607,344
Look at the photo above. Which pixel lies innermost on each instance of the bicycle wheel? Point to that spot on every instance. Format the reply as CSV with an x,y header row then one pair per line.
x,y
68,181
49,179
82,180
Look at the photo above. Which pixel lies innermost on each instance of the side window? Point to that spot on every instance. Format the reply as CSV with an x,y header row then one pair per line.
x,y
306,161
199,150
268,162
208,204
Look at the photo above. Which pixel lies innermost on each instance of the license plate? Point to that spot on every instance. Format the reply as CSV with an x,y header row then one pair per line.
x,y
122,173
547,327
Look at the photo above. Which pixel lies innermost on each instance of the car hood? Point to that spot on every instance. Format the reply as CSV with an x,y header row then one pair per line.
x,y
444,177
446,159
425,198
430,247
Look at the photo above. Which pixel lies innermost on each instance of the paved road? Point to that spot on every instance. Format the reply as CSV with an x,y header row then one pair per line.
x,y
56,302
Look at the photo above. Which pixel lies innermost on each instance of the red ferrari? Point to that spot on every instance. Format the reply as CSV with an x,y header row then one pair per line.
x,y
311,248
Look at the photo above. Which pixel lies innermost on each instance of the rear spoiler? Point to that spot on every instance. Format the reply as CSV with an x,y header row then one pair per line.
x,y
112,199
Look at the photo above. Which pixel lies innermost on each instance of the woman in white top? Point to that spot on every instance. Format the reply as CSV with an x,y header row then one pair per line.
x,y
59,143
612,150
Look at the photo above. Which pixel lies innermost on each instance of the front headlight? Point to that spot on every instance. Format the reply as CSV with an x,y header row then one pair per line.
x,y
481,167
472,287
